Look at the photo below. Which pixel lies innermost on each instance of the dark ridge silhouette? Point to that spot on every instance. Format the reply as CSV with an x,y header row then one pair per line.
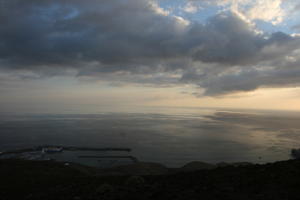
x,y
21,179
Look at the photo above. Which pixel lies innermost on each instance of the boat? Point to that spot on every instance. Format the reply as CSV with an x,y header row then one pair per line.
x,y
52,149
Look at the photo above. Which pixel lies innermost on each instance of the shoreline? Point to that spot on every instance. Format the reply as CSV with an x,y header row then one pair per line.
x,y
38,153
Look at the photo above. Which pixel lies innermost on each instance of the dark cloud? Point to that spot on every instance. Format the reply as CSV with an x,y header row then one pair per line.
x,y
135,40
249,80
55,33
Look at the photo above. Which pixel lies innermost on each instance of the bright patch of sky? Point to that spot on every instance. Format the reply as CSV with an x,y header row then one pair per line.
x,y
268,15
191,10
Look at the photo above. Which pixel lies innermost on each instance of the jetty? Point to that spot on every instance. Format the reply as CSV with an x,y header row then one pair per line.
x,y
134,159
64,148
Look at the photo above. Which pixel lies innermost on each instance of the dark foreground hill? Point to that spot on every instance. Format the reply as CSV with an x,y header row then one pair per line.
x,y
44,180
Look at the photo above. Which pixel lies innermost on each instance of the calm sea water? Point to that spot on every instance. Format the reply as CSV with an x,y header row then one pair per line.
x,y
173,137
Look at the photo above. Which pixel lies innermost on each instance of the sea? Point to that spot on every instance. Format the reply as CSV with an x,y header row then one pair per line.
x,y
170,136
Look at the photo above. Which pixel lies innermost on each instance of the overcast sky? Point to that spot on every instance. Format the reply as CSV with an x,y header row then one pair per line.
x,y
63,54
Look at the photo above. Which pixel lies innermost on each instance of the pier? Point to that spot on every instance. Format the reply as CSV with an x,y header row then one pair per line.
x,y
65,148
134,159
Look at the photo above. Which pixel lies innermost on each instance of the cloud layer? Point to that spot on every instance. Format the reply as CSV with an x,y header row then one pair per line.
x,y
265,10
137,41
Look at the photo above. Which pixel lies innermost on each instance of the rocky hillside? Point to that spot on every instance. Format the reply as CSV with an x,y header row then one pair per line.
x,y
51,180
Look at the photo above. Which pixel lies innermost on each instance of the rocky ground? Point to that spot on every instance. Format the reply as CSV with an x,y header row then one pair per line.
x,y
52,180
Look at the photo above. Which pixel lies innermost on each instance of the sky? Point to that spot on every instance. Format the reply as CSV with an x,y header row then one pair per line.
x,y
106,55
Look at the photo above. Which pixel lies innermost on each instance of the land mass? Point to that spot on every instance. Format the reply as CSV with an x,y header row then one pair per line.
x,y
23,179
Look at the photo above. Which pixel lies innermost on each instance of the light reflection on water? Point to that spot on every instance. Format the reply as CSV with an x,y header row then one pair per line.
x,y
173,139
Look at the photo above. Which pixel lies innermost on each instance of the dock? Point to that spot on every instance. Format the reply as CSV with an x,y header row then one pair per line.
x,y
134,159
95,149
65,148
